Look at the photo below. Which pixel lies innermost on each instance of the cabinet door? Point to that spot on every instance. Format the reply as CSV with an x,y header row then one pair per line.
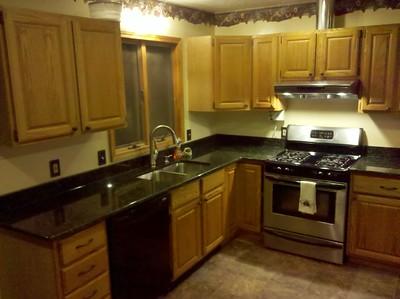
x,y
42,73
297,56
213,224
230,202
232,72
265,70
186,237
249,196
100,76
378,67
374,233
338,54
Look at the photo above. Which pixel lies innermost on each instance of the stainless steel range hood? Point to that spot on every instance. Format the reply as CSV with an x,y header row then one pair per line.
x,y
318,90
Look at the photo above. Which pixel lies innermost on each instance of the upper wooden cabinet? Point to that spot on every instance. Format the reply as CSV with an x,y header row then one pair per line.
x,y
338,54
297,56
328,54
378,68
42,74
49,71
219,73
265,72
232,72
100,75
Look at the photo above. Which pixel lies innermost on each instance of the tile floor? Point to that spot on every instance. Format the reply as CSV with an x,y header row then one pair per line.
x,y
244,269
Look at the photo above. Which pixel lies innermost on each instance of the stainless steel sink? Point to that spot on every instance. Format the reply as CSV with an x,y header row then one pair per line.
x,y
186,167
160,175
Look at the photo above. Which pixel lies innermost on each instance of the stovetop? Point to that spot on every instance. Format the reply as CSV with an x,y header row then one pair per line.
x,y
319,165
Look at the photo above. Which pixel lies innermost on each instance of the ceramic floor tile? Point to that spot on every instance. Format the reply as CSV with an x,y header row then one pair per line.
x,y
244,269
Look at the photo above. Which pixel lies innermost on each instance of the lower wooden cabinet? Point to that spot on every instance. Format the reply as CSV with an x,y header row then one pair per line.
x,y
248,192
197,225
374,221
230,202
33,268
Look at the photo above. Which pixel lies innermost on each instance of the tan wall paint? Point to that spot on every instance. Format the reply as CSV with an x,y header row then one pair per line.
x,y
382,129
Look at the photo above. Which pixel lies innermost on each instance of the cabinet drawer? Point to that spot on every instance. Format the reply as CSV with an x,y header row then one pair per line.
x,y
85,270
96,289
185,194
213,180
376,185
82,243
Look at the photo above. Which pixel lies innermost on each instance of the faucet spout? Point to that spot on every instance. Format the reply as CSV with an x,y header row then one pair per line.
x,y
153,146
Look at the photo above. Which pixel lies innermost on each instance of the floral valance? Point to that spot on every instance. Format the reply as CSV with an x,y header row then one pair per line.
x,y
272,14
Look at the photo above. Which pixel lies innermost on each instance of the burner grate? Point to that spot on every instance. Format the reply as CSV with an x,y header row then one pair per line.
x,y
334,161
295,157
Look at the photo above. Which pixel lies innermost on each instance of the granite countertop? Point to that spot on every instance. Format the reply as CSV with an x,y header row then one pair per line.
x,y
78,208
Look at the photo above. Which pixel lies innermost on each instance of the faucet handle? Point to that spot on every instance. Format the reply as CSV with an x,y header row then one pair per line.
x,y
166,158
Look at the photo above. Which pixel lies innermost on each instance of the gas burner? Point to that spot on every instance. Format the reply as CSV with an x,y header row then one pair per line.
x,y
334,161
294,157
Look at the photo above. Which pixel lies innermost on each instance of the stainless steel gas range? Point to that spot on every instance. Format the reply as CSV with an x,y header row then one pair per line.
x,y
316,164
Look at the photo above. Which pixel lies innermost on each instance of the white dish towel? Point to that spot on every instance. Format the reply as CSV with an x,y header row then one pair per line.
x,y
307,201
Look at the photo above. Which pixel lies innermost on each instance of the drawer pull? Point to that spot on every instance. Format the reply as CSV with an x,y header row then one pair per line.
x,y
91,295
90,241
87,271
388,188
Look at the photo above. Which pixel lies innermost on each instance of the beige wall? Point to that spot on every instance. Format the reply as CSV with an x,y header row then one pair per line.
x,y
382,129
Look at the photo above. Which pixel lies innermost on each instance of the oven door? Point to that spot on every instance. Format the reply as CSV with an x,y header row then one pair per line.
x,y
281,202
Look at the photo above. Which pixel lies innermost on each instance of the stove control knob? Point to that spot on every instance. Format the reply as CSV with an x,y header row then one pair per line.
x,y
329,174
278,168
287,169
320,173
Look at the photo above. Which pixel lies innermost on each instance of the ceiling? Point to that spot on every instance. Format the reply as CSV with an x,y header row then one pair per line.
x,y
220,6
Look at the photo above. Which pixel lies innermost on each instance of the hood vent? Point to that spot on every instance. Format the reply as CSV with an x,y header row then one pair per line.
x,y
326,15
346,90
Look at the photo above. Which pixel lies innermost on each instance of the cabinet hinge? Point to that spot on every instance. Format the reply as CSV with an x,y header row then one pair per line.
x,y
212,42
361,33
142,94
15,135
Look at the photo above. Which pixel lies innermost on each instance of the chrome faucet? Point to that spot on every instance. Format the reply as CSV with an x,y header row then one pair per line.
x,y
153,146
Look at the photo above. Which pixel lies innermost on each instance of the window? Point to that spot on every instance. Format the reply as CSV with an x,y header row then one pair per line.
x,y
153,94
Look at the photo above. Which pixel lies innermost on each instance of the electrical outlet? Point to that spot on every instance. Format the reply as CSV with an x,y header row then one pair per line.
x,y
101,157
55,169
283,132
188,134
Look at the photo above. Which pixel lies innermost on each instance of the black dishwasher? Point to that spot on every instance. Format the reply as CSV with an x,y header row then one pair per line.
x,y
139,250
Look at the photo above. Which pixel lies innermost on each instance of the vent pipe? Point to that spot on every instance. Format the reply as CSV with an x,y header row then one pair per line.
x,y
326,14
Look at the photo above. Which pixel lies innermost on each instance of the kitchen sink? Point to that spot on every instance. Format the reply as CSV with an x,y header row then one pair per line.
x,y
186,167
160,175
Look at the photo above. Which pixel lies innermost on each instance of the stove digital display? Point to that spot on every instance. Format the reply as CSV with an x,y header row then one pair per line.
x,y
322,134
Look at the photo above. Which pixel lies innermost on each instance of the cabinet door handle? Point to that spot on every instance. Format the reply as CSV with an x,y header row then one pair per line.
x,y
322,74
77,247
74,129
310,74
87,128
91,268
388,188
91,295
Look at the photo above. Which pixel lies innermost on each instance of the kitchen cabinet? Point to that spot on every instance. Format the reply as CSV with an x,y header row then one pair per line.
x,y
328,54
54,74
75,267
297,56
230,202
219,73
265,72
373,218
249,188
380,54
197,221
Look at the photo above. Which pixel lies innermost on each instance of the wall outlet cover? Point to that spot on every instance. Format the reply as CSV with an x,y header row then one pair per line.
x,y
283,132
101,157
188,134
55,169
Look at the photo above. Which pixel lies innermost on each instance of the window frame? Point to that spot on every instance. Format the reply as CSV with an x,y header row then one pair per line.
x,y
131,151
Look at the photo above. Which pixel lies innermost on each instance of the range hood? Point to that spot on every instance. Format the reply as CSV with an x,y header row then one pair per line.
x,y
318,90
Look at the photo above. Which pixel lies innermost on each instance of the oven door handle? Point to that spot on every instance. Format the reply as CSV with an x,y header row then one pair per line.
x,y
296,180
304,240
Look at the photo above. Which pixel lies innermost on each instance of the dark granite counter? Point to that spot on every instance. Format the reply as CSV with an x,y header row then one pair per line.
x,y
66,211
380,161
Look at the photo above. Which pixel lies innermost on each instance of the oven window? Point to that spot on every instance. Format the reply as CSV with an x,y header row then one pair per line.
x,y
286,201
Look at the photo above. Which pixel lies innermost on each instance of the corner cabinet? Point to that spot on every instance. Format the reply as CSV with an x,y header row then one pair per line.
x,y
381,52
375,219
325,55
72,268
54,75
